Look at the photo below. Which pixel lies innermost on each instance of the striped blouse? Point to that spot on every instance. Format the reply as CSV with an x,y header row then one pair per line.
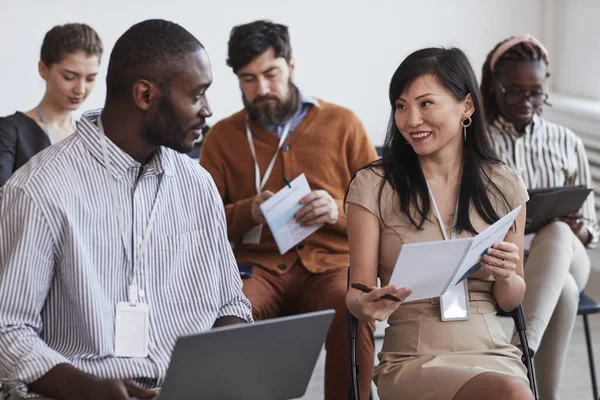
x,y
63,265
547,155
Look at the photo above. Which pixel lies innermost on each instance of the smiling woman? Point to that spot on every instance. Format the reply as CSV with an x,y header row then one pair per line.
x,y
69,62
438,179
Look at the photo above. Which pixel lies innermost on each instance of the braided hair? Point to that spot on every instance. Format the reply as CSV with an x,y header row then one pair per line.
x,y
524,51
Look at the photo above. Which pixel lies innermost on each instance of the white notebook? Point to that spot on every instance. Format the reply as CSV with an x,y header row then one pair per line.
x,y
430,268
279,211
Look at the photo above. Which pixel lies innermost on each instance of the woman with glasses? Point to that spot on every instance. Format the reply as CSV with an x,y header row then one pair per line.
x,y
545,155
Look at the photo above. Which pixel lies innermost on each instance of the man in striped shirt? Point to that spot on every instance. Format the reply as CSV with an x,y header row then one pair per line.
x,y
114,215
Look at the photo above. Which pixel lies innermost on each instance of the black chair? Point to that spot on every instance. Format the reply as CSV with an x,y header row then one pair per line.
x,y
516,314
588,306
519,320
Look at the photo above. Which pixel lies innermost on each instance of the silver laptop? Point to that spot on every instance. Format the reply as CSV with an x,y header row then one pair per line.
x,y
267,360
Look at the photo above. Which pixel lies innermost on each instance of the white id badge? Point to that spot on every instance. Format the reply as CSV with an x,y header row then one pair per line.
x,y
131,329
253,235
454,304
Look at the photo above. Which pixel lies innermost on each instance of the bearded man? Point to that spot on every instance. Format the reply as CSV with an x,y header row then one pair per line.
x,y
280,134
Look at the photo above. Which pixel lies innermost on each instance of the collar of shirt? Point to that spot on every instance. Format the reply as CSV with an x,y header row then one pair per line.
x,y
507,127
304,103
121,162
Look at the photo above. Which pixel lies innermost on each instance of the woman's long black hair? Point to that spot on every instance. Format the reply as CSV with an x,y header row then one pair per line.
x,y
400,164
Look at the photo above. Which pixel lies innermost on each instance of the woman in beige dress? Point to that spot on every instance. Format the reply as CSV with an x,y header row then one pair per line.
x,y
438,155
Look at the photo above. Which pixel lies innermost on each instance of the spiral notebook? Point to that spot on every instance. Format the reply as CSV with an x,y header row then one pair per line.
x,y
430,268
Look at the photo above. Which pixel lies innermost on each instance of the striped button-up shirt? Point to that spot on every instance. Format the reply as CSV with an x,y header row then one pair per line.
x,y
547,155
64,267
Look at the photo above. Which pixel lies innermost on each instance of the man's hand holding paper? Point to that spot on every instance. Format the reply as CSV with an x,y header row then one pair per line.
x,y
318,208
257,214
281,210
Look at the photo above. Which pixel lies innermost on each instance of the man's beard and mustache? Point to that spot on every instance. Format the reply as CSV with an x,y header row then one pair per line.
x,y
272,114
165,128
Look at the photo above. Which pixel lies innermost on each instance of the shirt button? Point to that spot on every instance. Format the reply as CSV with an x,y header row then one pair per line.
x,y
282,266
285,147
142,293
140,240
300,246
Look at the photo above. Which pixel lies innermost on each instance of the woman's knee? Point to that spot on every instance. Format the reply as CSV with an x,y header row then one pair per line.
x,y
495,386
554,231
512,389
580,265
569,296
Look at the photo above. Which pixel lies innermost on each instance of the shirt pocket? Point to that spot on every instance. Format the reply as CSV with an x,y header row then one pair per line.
x,y
180,267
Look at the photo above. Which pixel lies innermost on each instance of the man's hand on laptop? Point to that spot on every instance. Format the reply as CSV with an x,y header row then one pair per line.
x,y
67,382
112,389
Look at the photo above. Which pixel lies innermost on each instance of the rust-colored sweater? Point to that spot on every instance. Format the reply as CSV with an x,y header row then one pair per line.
x,y
328,146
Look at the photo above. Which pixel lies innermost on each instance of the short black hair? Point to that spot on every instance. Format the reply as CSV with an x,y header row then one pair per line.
x,y
63,40
148,50
248,41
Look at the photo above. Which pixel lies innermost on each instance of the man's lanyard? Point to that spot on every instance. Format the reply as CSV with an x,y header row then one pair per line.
x,y
133,285
261,184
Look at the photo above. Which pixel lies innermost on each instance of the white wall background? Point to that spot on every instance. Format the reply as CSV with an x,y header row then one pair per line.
x,y
346,50
572,33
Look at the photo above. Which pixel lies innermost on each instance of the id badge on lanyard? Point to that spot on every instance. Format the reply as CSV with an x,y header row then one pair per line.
x,y
454,304
132,317
253,235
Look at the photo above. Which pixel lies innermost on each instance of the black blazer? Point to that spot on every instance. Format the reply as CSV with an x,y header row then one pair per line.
x,y
20,139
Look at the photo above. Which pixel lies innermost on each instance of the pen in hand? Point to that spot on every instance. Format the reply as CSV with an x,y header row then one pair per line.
x,y
366,289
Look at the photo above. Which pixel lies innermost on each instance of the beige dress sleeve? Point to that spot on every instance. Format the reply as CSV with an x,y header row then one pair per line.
x,y
511,186
364,190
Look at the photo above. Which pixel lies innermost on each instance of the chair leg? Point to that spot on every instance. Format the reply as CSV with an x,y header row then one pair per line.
x,y
353,393
590,351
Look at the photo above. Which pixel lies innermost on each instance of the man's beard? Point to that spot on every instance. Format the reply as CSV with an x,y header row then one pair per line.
x,y
272,114
165,128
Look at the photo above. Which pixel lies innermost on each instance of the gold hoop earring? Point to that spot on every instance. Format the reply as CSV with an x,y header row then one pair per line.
x,y
465,124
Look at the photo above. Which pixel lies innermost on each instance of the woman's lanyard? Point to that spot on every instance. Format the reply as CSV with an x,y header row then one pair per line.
x,y
40,114
260,184
133,285
454,303
439,215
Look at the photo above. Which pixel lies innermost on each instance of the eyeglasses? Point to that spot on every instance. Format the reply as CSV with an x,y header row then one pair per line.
x,y
536,98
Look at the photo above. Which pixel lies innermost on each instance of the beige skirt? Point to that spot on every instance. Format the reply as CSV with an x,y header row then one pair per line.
x,y
425,358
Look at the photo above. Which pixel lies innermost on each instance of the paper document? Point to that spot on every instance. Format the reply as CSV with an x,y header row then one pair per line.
x,y
429,268
279,212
